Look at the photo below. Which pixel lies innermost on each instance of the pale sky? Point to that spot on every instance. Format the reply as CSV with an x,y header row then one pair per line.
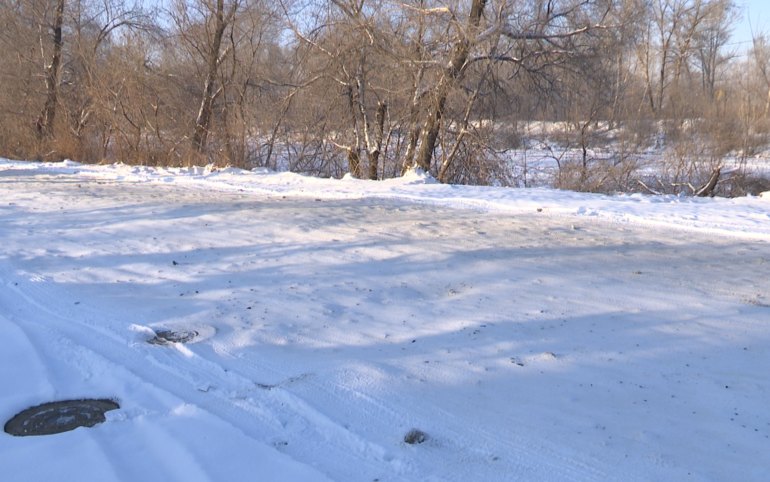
x,y
756,17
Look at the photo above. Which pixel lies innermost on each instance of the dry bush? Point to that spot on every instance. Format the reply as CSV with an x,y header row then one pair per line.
x,y
476,164
743,183
600,176
17,141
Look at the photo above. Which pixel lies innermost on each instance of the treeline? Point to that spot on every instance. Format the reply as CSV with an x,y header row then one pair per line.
x,y
375,87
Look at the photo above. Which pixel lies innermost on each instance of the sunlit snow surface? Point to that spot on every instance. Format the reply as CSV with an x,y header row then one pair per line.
x,y
531,334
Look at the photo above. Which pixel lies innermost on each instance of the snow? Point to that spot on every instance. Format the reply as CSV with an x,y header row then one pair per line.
x,y
531,334
746,217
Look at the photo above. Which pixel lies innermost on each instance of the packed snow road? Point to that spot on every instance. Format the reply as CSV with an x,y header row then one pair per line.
x,y
526,347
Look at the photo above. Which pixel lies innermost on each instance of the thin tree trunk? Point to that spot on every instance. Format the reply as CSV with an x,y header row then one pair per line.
x,y
443,173
414,131
45,123
374,155
274,134
414,110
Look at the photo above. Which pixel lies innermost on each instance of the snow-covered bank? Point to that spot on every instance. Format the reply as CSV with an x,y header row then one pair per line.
x,y
747,217
527,346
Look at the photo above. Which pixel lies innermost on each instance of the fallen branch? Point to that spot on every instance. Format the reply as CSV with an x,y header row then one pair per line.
x,y
707,190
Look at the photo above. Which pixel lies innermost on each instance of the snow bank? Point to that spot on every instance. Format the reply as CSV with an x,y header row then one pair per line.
x,y
747,217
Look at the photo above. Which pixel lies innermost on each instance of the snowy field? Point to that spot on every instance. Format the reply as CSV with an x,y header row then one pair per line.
x,y
533,335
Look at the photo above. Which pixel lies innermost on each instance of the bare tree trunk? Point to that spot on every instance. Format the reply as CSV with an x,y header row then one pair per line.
x,y
584,150
274,134
203,120
374,155
452,73
354,151
414,127
414,110
443,173
662,78
45,123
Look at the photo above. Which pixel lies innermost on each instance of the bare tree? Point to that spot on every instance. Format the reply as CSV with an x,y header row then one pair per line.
x,y
202,25
711,41
451,74
529,40
45,122
376,87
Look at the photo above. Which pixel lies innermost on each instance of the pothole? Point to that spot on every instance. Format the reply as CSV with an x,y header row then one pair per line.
x,y
62,416
164,337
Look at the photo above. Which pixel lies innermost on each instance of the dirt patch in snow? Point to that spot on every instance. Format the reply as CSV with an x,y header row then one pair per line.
x,y
415,436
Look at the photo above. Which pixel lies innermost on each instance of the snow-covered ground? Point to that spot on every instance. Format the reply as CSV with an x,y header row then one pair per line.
x,y
532,334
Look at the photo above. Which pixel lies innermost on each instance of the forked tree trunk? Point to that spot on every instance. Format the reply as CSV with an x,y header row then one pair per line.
x,y
452,74
203,120
45,123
